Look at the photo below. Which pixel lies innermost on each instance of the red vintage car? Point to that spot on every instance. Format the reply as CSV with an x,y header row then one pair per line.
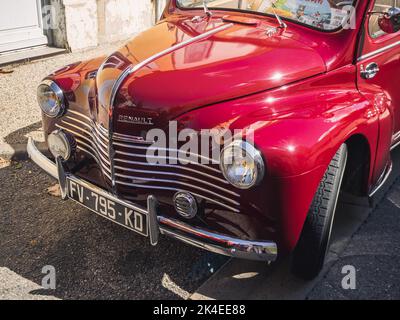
x,y
316,81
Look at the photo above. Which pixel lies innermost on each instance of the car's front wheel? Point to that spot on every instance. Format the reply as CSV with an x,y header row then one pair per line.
x,y
310,252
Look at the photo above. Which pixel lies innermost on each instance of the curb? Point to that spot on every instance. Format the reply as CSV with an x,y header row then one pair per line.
x,y
18,152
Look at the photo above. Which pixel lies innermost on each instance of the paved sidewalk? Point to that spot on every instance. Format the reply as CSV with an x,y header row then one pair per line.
x,y
19,113
374,251
15,287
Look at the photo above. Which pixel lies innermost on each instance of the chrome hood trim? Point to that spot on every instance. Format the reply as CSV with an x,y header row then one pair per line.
x,y
108,86
134,69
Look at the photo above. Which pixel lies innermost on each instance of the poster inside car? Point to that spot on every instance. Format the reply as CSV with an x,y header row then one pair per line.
x,y
319,13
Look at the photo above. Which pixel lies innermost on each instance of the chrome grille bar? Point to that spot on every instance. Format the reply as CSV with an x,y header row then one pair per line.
x,y
175,174
179,183
102,146
169,158
124,145
130,168
177,167
85,138
176,189
107,175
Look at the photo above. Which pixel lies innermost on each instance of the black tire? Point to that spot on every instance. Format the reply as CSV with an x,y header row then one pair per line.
x,y
310,252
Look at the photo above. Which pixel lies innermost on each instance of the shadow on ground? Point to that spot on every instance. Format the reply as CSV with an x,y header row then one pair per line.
x,y
366,238
21,136
93,258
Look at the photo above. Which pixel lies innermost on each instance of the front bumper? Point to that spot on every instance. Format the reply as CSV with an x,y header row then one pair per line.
x,y
217,243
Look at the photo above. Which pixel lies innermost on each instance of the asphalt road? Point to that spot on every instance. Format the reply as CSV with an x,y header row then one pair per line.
x,y
93,258
364,238
374,252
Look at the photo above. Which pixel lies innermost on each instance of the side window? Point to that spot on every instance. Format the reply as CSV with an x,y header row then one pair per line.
x,y
380,6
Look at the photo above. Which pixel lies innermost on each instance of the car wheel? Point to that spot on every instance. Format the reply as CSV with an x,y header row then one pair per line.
x,y
310,252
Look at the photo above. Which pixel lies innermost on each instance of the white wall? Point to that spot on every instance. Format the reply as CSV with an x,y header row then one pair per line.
x,y
89,23
81,23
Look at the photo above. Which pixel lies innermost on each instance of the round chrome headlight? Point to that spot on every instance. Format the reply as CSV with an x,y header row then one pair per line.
x,y
51,99
61,144
242,164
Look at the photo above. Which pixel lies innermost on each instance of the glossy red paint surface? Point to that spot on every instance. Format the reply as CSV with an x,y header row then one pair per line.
x,y
301,89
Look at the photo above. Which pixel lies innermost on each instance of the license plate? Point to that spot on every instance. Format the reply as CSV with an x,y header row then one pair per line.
x,y
108,207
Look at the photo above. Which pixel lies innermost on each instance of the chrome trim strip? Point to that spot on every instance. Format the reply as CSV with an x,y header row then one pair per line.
x,y
395,145
93,125
104,133
169,158
214,242
96,147
137,67
111,150
93,129
78,121
126,138
107,175
91,134
123,145
80,114
40,159
100,158
177,189
95,154
243,249
181,183
395,140
132,69
101,154
172,166
153,227
385,178
176,175
92,145
373,53
396,136
114,90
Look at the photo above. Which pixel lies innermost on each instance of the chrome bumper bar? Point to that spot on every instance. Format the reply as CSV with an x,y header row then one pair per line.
x,y
233,247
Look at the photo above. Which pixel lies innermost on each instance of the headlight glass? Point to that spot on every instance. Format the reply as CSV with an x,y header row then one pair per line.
x,y
242,165
51,99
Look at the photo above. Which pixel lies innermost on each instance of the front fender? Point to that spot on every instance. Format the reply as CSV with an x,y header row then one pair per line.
x,y
298,129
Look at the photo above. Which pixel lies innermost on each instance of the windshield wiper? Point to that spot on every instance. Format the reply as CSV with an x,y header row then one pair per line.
x,y
206,10
278,18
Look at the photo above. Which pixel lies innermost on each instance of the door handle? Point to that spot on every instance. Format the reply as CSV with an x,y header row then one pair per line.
x,y
370,71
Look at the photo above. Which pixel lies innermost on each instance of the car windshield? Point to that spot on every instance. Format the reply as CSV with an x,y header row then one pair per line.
x,y
321,14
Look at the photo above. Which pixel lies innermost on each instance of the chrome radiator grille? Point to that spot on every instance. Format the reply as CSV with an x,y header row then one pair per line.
x,y
131,168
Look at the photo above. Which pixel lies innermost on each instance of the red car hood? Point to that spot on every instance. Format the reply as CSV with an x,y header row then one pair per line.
x,y
230,63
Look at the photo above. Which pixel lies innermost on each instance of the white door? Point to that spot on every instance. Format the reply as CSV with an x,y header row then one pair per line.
x,y
20,24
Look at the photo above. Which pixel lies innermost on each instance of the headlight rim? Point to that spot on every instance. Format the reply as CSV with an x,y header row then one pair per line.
x,y
60,98
254,153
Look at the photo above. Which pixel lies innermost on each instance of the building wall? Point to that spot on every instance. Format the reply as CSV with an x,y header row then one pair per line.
x,y
56,34
88,23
